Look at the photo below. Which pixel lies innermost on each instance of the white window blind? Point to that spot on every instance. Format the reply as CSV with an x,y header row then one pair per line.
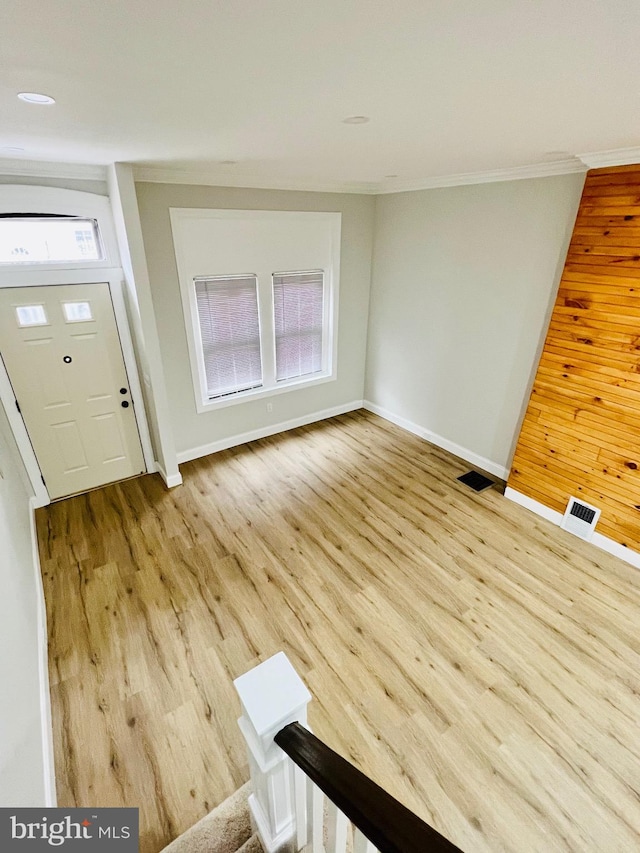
x,y
298,303
230,331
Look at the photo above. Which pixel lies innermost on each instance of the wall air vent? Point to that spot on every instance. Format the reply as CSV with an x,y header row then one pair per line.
x,y
580,518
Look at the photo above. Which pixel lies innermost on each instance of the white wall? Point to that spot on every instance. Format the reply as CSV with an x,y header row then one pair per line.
x,y
142,323
463,283
22,764
258,242
192,430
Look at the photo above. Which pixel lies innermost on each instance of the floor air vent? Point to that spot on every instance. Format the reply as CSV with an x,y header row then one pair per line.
x,y
478,482
580,518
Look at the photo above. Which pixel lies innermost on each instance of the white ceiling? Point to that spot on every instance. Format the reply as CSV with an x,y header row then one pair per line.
x,y
450,87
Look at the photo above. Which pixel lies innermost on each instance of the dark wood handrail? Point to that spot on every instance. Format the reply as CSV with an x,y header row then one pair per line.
x,y
388,824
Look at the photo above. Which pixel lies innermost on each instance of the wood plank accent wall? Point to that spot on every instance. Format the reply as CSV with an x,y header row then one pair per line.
x,y
581,431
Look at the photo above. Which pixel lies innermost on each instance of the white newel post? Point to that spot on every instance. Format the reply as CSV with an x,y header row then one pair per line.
x,y
272,695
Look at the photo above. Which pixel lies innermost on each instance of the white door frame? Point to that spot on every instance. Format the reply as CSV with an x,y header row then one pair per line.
x,y
42,278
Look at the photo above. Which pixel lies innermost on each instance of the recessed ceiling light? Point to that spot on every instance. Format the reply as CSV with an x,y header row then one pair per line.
x,y
36,98
356,120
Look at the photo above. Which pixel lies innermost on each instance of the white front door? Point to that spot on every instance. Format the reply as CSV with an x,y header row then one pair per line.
x,y
61,349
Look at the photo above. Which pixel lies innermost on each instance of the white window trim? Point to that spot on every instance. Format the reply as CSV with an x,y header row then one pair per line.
x,y
265,311
16,198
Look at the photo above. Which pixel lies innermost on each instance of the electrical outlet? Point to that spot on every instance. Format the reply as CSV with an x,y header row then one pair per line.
x,y
269,407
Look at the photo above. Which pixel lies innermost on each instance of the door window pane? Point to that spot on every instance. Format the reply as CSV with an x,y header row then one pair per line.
x,y
77,312
31,315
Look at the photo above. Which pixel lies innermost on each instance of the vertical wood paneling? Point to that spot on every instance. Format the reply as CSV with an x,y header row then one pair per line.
x,y
581,432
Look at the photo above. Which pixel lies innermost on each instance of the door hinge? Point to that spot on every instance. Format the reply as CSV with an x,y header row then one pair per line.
x,y
18,407
42,478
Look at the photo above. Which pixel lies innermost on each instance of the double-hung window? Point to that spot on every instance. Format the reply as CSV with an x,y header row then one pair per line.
x,y
230,333
298,307
260,295
232,338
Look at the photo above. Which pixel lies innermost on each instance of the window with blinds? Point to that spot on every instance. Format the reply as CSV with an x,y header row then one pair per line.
x,y
230,333
298,306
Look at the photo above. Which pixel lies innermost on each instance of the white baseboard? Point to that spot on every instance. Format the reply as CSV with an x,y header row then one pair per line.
x,y
543,511
263,432
170,480
43,669
432,437
555,517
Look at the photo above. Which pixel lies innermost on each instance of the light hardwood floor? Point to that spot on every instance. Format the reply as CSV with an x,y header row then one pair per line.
x,y
476,661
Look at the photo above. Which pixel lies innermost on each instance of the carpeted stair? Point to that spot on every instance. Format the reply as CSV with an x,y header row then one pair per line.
x,y
227,829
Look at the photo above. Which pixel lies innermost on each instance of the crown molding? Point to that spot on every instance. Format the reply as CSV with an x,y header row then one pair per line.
x,y
209,177
216,178
614,157
517,173
46,169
